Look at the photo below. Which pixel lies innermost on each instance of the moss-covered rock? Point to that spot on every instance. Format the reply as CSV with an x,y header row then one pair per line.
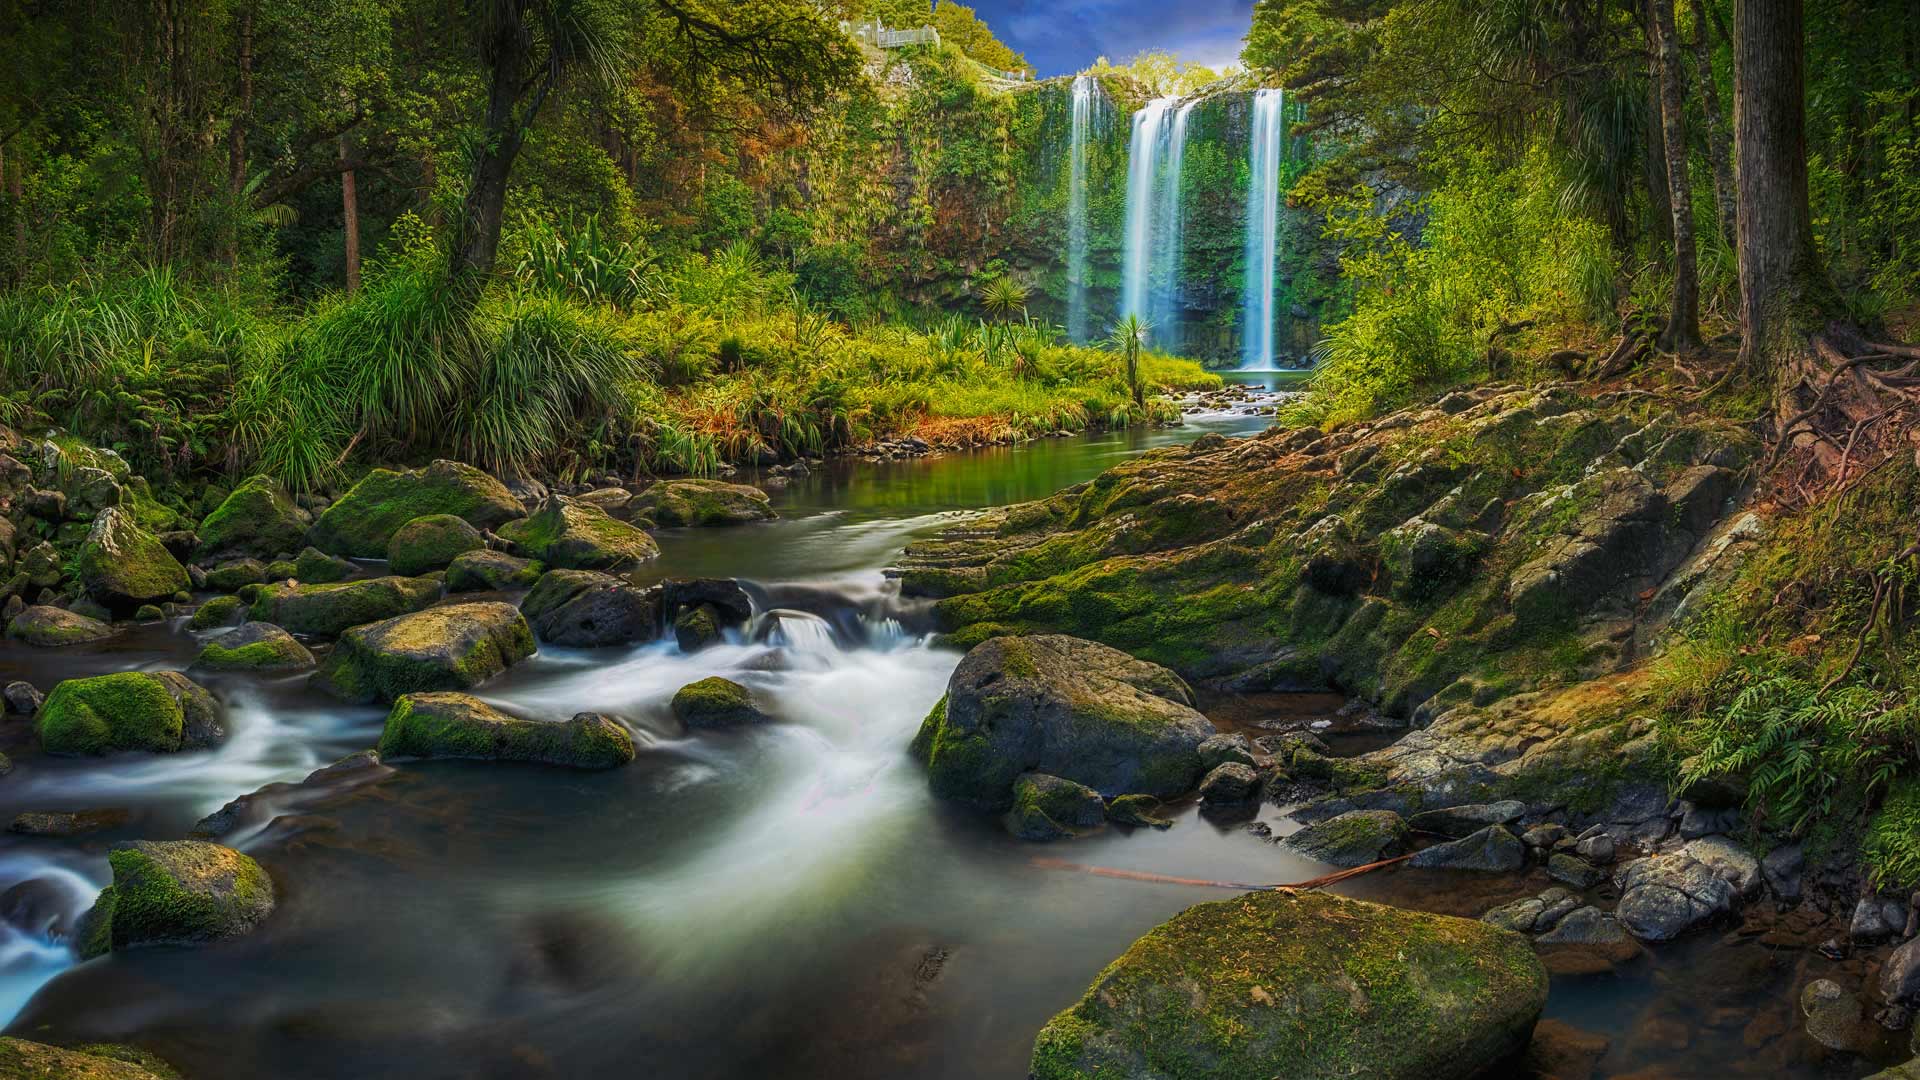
x,y
695,628
450,725
153,711
456,647
1065,707
1138,810
1355,838
257,520
364,519
1302,984
576,536
23,1060
700,502
1049,808
124,566
490,571
50,627
316,567
716,702
330,610
231,576
176,892
430,543
219,611
254,646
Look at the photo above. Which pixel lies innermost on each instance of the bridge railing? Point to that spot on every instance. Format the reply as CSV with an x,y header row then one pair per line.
x,y
882,37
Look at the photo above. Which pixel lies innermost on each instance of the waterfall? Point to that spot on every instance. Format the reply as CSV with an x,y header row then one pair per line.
x,y
1143,152
1263,226
1169,223
1084,91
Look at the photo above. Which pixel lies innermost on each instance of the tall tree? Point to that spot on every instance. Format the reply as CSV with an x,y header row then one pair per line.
x,y
1719,138
1683,325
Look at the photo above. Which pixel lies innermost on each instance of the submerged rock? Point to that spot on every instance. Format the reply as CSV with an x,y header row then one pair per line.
x,y
1070,708
1462,821
1492,850
254,646
430,543
576,536
64,823
1355,838
1049,808
38,1061
456,647
154,711
1138,810
51,627
716,702
176,892
700,502
1230,784
257,520
123,566
365,519
330,610
490,571
451,725
1302,985
586,609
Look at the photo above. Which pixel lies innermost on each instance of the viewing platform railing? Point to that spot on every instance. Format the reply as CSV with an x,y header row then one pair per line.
x,y
881,37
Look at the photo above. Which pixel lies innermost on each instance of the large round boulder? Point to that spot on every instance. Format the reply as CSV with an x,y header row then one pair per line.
x,y
123,566
1070,708
254,646
586,609
176,892
700,502
153,711
51,627
430,543
490,571
578,536
450,725
329,610
714,702
456,647
362,521
257,520
1302,984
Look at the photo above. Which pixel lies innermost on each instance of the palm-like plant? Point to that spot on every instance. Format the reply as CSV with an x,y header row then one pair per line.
x,y
1004,296
1129,335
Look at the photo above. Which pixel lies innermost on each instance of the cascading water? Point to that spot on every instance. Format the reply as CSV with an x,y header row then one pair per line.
x,y
1263,227
1085,93
1143,161
1169,225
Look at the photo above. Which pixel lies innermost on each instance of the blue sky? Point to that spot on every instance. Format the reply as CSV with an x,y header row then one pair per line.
x,y
1062,36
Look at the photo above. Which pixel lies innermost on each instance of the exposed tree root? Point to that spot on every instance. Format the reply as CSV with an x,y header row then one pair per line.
x,y
1847,414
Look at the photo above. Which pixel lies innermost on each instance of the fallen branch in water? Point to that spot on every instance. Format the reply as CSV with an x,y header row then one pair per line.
x,y
1046,863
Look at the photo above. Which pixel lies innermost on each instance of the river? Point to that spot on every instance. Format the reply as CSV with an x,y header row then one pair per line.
x,y
784,900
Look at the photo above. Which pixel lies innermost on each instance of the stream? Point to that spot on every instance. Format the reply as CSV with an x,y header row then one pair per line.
x,y
783,900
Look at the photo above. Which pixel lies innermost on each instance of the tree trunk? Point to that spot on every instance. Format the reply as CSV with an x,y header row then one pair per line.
x,y
504,50
1683,326
1719,139
350,217
237,139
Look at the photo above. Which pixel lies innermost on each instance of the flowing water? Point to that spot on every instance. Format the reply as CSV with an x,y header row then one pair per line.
x,y
1087,98
785,900
1144,150
1263,226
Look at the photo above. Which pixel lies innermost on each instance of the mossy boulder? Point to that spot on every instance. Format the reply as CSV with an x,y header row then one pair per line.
x,y
716,702
456,647
232,576
1302,984
364,520
1049,808
254,646
452,725
430,543
257,520
176,892
1066,707
696,628
316,567
153,711
1138,811
700,502
586,609
123,566
330,610
51,627
23,1060
490,571
219,611
1355,838
577,536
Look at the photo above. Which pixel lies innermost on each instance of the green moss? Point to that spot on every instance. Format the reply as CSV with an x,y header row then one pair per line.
x,y
362,522
257,519
579,536
151,901
229,577
103,714
258,656
316,567
448,725
444,648
329,610
430,543
715,702
921,748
